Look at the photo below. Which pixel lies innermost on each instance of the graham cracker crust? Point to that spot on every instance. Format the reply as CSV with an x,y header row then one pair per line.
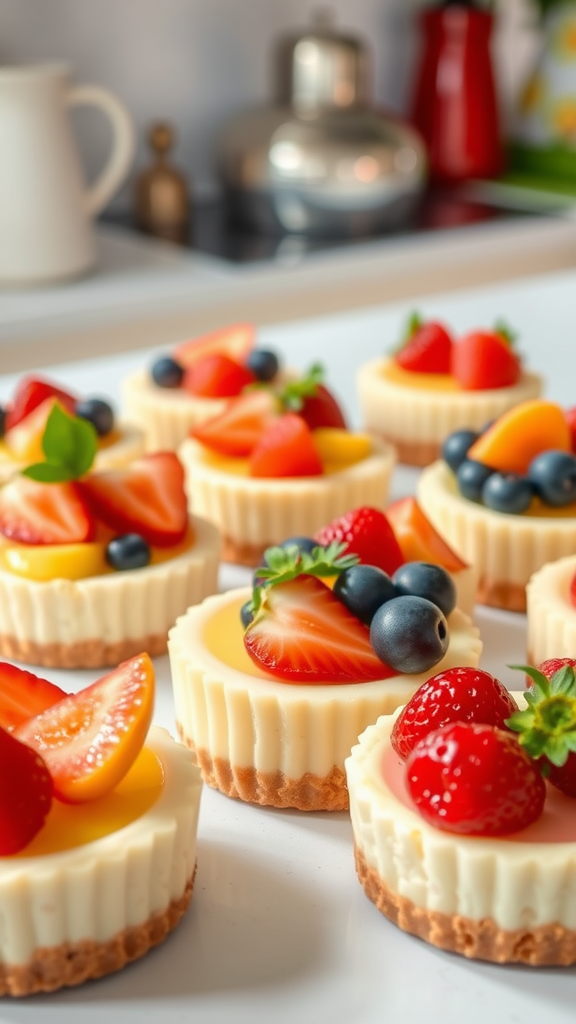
x,y
544,946
500,594
242,554
95,653
73,963
412,453
271,789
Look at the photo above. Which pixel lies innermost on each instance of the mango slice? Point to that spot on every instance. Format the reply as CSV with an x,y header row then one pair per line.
x,y
339,448
511,443
54,561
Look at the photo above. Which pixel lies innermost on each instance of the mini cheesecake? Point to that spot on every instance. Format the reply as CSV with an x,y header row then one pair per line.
x,y
273,743
551,613
507,549
102,882
417,411
102,618
507,900
254,513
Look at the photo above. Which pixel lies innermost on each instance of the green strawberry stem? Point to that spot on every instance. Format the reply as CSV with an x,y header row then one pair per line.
x,y
69,444
413,323
547,727
504,331
283,564
294,393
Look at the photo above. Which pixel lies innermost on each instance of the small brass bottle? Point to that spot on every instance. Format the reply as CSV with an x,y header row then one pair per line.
x,y
161,193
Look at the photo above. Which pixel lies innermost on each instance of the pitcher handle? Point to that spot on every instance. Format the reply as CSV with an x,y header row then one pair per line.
x,y
124,143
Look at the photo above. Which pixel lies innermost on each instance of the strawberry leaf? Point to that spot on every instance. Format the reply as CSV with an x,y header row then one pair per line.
x,y
69,444
284,564
504,331
547,727
294,393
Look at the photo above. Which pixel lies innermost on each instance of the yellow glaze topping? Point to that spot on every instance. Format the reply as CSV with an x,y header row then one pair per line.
x,y
71,825
222,636
71,561
408,379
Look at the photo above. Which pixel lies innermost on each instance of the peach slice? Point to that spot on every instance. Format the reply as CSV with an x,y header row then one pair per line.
x,y
235,341
339,448
511,443
418,540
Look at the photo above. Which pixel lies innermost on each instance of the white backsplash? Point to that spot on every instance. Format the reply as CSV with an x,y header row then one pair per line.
x,y
198,62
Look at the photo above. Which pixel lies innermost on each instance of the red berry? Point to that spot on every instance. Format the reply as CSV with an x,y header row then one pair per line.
x,y
146,497
484,360
428,350
32,392
552,665
303,634
217,376
237,430
286,449
24,695
456,695
38,513
368,534
570,416
474,780
25,794
322,410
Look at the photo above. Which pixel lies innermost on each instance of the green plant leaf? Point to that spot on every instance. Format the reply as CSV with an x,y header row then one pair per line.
x,y
547,727
69,441
294,393
506,332
48,473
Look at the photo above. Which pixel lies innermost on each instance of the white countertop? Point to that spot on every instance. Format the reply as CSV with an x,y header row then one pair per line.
x,y
146,293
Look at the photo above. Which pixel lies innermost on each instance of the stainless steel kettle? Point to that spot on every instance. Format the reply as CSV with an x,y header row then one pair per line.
x,y
321,162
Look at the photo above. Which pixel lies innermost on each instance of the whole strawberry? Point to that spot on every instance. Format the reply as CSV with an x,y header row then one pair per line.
x,y
25,794
455,695
427,348
366,533
547,727
485,359
474,780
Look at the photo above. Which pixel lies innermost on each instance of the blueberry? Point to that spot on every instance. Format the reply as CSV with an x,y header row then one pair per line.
x,y
471,478
302,543
2,421
98,413
363,589
456,446
128,551
422,579
246,614
507,492
553,474
410,634
264,364
167,373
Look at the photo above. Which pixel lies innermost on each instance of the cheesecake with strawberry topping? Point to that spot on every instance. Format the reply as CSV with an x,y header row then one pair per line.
x,y
97,564
193,383
464,820
23,421
435,384
506,497
272,685
98,819
279,460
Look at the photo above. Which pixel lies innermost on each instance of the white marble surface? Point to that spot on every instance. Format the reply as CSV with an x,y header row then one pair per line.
x,y
279,929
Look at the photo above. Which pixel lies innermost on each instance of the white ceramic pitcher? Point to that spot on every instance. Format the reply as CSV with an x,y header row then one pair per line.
x,y
45,208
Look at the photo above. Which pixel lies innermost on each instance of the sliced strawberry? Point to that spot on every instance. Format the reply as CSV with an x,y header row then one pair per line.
x,y
286,449
428,350
37,513
303,634
484,360
238,429
147,497
236,341
25,794
23,695
31,392
418,540
570,415
322,410
25,439
368,534
90,739
552,665
217,376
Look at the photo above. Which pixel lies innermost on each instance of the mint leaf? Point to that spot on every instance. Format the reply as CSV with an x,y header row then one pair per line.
x,y
295,392
48,473
69,444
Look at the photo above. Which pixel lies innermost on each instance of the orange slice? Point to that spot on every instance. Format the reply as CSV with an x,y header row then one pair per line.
x,y
90,739
520,434
418,540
